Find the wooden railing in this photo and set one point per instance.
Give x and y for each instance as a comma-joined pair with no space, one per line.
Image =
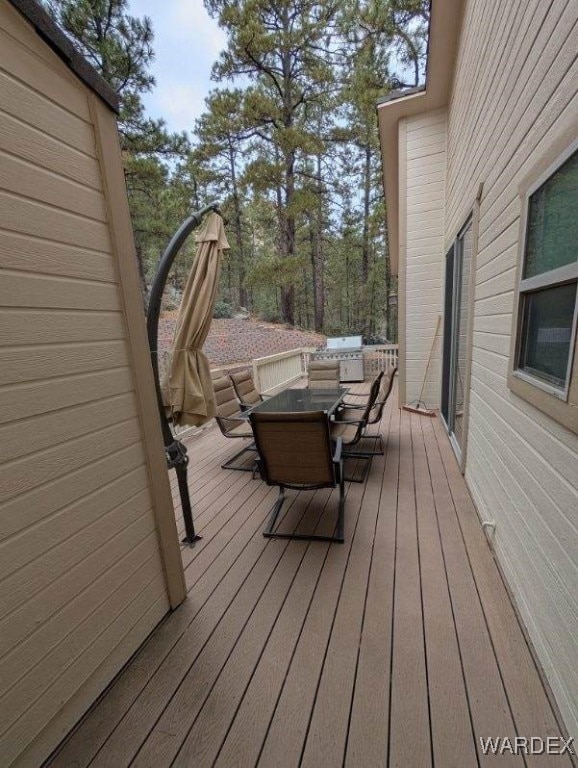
379,357
278,370
281,370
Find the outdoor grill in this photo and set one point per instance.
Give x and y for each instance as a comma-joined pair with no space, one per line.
346,349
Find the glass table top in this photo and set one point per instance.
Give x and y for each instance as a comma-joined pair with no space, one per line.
301,401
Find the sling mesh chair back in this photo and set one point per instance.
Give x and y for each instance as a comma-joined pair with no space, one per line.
230,420
296,451
324,374
245,389
373,414
352,428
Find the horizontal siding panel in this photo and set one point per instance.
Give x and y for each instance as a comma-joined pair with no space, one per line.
33,558
419,219
72,678
145,621
495,304
50,567
425,193
32,70
494,323
419,172
535,427
63,606
19,328
528,463
521,532
424,212
29,181
420,156
27,436
55,497
532,542
20,401
32,254
28,106
525,122
495,342
485,81
496,285
467,103
43,151
29,217
31,363
22,475
431,121
46,291
425,234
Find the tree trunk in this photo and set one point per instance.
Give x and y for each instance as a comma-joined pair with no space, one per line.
238,229
288,290
366,213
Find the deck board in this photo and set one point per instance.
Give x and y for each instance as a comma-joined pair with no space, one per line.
398,648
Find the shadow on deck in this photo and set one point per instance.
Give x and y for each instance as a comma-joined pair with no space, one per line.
398,648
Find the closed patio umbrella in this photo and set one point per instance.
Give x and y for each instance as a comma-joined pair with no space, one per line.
186,385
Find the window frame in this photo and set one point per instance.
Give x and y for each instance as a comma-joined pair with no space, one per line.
561,403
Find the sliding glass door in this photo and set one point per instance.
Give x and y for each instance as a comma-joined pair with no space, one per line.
455,352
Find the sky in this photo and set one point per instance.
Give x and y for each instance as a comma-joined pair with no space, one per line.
187,42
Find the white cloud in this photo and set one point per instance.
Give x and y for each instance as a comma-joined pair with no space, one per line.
187,43
179,103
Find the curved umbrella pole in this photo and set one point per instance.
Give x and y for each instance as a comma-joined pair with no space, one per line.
176,452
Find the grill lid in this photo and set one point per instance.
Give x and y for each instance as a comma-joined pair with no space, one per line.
342,343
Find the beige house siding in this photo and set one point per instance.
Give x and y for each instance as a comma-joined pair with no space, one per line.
84,575
422,191
514,95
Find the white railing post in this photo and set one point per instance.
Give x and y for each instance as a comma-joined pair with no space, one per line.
256,376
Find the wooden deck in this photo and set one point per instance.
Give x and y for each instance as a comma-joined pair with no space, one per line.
398,648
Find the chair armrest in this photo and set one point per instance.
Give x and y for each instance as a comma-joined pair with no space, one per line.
230,422
351,422
338,449
360,407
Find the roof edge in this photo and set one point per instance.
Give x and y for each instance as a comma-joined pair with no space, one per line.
401,93
63,47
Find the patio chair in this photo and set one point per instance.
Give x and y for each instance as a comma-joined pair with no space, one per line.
230,421
351,413
245,389
351,429
324,374
295,451
359,398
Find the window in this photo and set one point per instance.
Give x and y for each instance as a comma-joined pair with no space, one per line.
547,307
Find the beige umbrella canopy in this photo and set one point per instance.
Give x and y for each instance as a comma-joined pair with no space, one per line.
186,384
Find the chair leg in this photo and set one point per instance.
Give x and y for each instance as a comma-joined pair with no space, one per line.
377,451
229,463
271,533
367,465
339,533
269,530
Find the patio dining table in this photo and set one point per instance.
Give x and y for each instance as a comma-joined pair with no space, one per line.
302,400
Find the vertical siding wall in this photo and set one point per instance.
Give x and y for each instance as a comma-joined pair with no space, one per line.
515,91
422,223
81,577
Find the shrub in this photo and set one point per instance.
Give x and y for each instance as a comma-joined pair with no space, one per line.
222,309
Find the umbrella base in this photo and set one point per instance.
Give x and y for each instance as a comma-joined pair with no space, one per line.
191,541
